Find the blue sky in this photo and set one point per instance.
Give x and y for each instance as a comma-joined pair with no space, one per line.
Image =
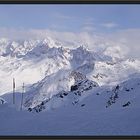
75,18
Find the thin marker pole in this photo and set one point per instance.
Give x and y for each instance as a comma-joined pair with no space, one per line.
13,90
22,96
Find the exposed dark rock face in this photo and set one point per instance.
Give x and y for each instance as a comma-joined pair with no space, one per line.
75,87
126,104
82,105
82,84
2,101
114,96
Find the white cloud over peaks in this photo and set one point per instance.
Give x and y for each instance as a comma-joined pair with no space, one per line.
67,38
128,40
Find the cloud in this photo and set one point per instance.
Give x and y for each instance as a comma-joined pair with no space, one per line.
63,17
58,27
88,28
65,37
109,25
21,33
89,22
127,39
88,25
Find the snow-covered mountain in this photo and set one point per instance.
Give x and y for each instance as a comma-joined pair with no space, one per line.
64,83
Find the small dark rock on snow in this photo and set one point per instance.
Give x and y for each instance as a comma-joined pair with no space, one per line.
82,105
127,104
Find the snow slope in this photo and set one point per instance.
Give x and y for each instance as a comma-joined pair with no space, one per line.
87,117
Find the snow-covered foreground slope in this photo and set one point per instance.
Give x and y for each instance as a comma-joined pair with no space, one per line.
68,91
87,117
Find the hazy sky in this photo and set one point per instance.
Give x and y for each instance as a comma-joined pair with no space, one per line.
104,18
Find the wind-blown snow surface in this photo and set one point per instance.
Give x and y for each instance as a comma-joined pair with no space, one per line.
68,91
